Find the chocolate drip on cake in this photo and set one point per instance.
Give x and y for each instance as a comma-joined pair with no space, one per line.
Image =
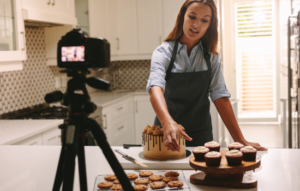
153,140
179,139
159,143
148,141
143,139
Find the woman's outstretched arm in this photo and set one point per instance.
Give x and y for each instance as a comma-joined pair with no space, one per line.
225,110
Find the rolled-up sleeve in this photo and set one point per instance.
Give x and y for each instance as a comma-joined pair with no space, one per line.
217,87
159,62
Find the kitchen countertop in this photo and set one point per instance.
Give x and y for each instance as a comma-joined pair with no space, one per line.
33,168
13,131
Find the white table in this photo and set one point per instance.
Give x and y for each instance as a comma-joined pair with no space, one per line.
33,168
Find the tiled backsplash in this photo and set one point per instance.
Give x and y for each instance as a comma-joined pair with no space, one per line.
25,88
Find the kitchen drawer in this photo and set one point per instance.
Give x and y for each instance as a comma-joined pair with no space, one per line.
120,108
121,127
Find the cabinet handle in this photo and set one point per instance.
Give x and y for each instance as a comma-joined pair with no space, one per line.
136,106
121,127
105,127
53,2
118,47
23,40
120,108
49,2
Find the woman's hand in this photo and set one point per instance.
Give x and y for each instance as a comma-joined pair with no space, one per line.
255,145
170,130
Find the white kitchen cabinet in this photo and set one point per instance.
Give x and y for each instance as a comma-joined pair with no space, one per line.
143,115
150,25
170,11
48,137
12,36
33,140
50,11
52,136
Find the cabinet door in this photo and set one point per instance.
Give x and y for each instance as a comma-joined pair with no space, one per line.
170,11
41,5
63,7
122,27
144,115
52,136
34,140
150,21
12,36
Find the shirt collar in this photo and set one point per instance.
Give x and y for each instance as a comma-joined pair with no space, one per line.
180,46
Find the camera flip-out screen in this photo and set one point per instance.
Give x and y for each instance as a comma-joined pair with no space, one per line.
72,54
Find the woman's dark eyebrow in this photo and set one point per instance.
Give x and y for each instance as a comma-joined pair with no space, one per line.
204,16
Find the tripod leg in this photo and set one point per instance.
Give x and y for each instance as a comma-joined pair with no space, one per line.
109,154
59,172
81,163
69,168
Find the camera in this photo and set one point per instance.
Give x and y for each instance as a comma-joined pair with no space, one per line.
77,50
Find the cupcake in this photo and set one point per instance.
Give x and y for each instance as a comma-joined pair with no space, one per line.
249,153
213,158
235,145
199,153
213,146
234,157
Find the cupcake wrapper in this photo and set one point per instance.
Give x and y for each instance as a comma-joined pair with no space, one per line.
234,148
232,161
213,161
249,156
199,156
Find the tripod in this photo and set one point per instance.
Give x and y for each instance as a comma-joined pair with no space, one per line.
74,129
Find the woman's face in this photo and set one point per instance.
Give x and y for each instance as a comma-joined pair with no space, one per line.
197,20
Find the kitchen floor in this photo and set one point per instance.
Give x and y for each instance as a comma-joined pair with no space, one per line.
267,135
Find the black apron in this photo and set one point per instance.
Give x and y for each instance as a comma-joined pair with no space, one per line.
186,95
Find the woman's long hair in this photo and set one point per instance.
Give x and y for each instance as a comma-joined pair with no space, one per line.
210,38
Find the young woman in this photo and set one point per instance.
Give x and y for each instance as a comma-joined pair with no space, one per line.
185,69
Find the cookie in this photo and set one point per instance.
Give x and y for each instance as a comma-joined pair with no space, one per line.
110,177
150,131
105,184
146,128
156,177
117,187
171,173
116,181
158,184
175,184
132,176
168,179
146,173
140,187
157,132
142,181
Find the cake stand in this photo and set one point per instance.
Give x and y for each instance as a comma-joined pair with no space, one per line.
224,175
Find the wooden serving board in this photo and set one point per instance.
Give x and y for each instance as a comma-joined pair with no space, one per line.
225,175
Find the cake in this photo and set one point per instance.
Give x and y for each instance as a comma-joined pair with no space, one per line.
199,153
213,146
234,157
249,153
213,158
235,145
154,147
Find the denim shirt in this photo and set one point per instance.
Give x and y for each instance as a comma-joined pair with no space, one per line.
161,58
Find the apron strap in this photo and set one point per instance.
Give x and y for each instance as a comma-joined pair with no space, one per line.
207,59
172,60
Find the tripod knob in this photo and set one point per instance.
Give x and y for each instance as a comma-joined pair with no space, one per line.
89,107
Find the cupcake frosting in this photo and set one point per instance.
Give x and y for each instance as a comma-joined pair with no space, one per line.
234,153
212,144
248,149
236,144
201,149
213,154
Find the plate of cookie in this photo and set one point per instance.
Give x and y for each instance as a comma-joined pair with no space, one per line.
144,181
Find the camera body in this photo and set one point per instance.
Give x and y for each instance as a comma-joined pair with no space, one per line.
77,50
